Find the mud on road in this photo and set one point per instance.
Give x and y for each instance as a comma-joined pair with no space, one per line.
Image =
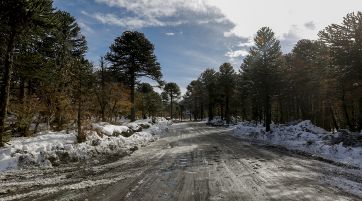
194,162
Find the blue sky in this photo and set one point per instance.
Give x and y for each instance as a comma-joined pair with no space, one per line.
192,35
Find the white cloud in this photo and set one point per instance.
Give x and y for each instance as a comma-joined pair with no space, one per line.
170,34
290,20
310,25
131,22
236,53
84,12
248,43
280,15
289,39
229,34
248,16
155,13
158,8
85,27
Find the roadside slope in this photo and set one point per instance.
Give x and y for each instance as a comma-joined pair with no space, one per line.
194,162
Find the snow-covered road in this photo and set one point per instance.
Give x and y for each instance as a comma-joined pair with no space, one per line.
194,162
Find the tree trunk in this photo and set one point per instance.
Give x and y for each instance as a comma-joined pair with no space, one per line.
267,114
360,114
103,98
202,110
171,106
281,118
195,116
22,90
333,117
211,115
133,107
103,113
345,111
143,107
81,137
5,89
227,110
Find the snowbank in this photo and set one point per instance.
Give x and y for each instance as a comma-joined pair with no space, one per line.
217,121
108,129
306,137
53,148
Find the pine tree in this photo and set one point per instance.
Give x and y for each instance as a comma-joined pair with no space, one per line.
69,47
209,81
345,44
263,64
132,56
153,103
102,100
144,89
310,59
226,80
165,100
81,88
16,17
173,91
194,97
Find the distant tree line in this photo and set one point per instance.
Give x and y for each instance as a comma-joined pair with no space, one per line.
319,80
45,77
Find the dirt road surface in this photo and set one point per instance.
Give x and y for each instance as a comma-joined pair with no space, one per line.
194,162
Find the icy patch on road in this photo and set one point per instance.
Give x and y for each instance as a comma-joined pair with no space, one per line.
183,149
53,148
305,137
76,186
347,185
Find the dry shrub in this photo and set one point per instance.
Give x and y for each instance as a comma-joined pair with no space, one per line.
25,113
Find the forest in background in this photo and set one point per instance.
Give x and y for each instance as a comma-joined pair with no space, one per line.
319,80
45,78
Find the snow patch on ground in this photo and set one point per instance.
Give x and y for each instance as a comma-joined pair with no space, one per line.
53,148
305,137
109,129
347,185
219,121
80,185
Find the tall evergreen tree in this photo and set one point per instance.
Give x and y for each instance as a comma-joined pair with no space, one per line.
101,95
345,43
194,96
226,79
153,104
132,56
16,17
263,64
310,59
144,89
209,81
81,88
69,46
173,91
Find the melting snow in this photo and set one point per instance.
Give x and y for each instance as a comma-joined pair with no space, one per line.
303,136
51,148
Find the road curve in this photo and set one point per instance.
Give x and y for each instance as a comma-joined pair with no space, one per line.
194,162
